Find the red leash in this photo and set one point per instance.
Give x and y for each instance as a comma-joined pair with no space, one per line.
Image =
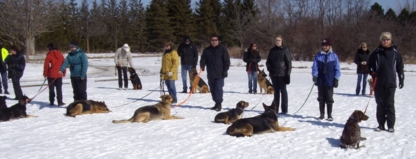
194,84
371,92
30,99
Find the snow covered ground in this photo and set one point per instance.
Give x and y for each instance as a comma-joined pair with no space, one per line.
53,135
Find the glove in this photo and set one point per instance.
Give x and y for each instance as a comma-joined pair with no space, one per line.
335,83
315,79
287,79
364,63
170,74
401,81
224,74
373,75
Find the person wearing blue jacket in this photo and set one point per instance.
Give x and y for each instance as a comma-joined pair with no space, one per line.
78,66
326,73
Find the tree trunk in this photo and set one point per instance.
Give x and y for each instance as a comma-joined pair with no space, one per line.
30,47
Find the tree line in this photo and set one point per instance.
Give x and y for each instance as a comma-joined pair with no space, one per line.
104,25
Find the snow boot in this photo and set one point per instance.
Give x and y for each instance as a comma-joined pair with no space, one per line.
321,110
329,109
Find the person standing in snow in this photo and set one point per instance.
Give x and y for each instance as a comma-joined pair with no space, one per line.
53,62
326,73
252,58
16,65
217,60
361,59
3,69
123,59
384,63
78,66
169,69
189,58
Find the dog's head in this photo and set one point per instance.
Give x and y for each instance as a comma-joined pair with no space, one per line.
131,70
193,72
166,98
269,108
103,106
24,100
359,116
262,73
242,105
270,115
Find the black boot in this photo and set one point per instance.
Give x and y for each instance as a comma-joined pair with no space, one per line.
217,107
322,110
329,109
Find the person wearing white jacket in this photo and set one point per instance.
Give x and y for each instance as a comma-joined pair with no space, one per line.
122,59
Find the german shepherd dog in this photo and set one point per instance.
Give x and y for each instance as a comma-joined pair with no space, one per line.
14,112
232,115
264,83
351,135
86,107
264,123
134,78
159,111
272,107
201,86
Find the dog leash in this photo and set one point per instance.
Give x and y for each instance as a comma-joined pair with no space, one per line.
30,99
42,85
305,99
154,90
194,84
258,102
372,89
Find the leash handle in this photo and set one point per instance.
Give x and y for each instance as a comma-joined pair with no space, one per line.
194,83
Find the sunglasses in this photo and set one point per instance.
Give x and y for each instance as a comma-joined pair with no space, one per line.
386,39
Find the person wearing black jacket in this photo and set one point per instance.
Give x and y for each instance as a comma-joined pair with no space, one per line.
279,65
361,59
384,63
217,60
252,58
16,65
189,58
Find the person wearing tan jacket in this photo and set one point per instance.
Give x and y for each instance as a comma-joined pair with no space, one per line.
122,59
169,70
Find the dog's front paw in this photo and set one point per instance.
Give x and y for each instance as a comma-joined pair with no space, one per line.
363,138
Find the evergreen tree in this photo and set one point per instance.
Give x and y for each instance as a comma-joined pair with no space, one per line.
158,30
390,14
205,21
404,16
181,22
377,9
111,21
138,24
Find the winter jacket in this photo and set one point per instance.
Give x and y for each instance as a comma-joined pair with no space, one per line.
188,54
252,60
53,62
217,61
385,62
123,58
279,62
326,68
170,63
77,62
4,54
16,65
360,57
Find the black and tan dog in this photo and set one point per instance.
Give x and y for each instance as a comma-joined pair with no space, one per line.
14,112
351,135
159,111
232,115
80,107
264,123
201,86
134,78
272,107
264,83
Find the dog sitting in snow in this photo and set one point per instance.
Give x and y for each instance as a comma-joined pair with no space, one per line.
264,83
232,115
351,136
134,78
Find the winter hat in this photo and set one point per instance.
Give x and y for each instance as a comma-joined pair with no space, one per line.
52,46
326,41
73,43
14,48
186,38
126,47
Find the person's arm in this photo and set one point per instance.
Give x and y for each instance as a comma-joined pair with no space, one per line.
175,62
46,66
21,63
117,54
288,59
84,65
245,57
202,61
372,67
129,58
356,59
400,70
337,68
269,63
315,67
226,60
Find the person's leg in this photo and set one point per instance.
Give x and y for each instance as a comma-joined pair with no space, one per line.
75,88
83,89
254,74
321,101
283,91
16,86
329,101
4,81
390,110
58,85
51,91
211,84
250,81
126,80
379,94
358,88
364,83
120,82
183,74
171,89
277,89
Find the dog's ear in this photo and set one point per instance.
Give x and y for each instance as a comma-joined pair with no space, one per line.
358,115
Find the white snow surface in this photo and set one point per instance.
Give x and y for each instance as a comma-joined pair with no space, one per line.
53,135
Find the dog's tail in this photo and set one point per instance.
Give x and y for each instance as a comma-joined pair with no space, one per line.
123,121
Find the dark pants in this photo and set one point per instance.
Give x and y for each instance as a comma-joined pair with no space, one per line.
385,106
171,88
120,78
325,94
58,85
16,86
215,86
3,80
79,87
279,86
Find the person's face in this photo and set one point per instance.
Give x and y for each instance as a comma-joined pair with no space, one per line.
187,42
167,47
12,52
214,41
386,42
364,48
278,41
326,48
72,48
254,47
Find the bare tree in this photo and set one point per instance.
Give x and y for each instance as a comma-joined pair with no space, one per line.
23,20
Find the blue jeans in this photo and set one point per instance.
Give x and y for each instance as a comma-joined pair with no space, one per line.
171,88
3,80
252,81
362,77
185,69
215,86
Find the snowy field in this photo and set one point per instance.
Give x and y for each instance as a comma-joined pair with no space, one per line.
53,135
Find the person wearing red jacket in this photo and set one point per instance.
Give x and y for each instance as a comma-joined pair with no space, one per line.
53,61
